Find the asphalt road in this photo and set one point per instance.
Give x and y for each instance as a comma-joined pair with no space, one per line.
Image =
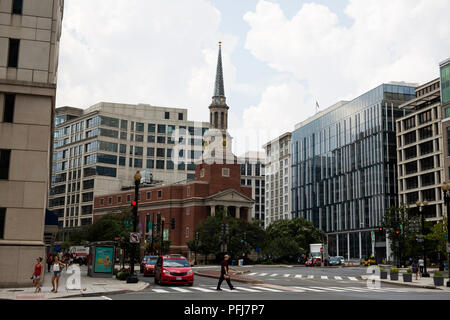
286,283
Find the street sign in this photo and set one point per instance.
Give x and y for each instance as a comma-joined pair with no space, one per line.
373,236
166,235
116,239
321,250
134,237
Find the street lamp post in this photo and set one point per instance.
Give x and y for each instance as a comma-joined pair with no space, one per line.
421,205
446,191
137,180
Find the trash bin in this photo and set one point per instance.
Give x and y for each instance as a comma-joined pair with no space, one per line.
241,262
233,262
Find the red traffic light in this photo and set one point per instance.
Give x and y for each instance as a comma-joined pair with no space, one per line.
134,203
380,229
397,232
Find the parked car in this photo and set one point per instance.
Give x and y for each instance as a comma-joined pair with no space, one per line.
149,269
336,261
173,269
143,262
314,261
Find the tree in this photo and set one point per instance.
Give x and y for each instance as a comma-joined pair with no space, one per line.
242,238
436,240
401,227
288,239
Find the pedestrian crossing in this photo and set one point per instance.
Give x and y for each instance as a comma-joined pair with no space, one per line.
283,289
300,276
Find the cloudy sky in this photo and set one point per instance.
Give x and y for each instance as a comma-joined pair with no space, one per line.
279,56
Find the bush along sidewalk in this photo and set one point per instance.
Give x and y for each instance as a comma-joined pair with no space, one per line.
394,273
383,273
407,277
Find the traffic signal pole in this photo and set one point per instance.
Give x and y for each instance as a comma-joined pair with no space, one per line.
137,180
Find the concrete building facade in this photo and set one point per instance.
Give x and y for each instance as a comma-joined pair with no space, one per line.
29,44
420,151
253,175
278,179
98,151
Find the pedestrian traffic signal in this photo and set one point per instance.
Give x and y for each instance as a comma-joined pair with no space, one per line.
172,223
133,203
380,229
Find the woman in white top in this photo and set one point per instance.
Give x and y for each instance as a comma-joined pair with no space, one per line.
421,265
57,267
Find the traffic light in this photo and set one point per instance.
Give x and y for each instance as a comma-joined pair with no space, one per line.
380,229
224,229
245,236
133,205
227,228
397,232
172,223
196,236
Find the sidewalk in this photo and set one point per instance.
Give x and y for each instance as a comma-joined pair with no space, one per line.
426,283
89,287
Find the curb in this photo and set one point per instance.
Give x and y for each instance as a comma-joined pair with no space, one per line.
405,284
237,280
97,294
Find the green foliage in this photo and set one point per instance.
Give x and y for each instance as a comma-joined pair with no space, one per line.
436,238
287,239
393,270
438,274
123,275
409,271
210,236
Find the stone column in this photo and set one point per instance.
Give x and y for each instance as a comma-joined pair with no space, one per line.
388,249
249,215
348,246
238,212
360,246
213,211
337,244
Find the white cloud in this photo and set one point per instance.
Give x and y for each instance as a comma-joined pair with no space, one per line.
402,40
158,52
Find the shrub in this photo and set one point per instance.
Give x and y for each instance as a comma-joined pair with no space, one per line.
122,275
438,274
394,270
409,271
382,269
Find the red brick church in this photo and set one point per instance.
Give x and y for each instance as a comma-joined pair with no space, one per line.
217,184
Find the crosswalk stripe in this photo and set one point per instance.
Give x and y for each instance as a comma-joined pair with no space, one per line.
298,275
310,277
286,275
252,274
274,275
338,278
324,277
225,289
329,289
263,274
202,289
267,289
353,278
182,290
309,289
160,291
248,289
355,289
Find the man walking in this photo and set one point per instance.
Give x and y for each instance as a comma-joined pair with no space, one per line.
224,273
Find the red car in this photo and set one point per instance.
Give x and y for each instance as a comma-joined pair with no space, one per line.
173,269
149,267
311,262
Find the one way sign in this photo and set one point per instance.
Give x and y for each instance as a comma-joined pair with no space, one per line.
134,237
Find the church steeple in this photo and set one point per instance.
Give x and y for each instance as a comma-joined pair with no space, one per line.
218,108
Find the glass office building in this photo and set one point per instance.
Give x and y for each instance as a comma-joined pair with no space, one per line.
344,169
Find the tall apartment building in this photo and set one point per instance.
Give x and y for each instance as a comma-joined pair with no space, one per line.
344,169
97,151
445,109
29,43
420,151
278,179
253,175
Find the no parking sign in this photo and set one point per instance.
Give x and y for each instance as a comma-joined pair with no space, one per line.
134,237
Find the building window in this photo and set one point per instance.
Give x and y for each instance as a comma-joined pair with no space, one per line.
425,117
160,164
5,157
13,55
188,191
166,115
149,195
102,201
160,152
188,211
150,164
202,173
151,139
161,128
161,140
410,138
128,198
151,128
187,232
119,199
110,200
17,7
139,127
225,172
138,163
8,110
2,222
180,116
159,194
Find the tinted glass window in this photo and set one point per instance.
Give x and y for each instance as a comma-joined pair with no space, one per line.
13,57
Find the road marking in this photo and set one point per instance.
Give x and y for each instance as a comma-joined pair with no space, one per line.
286,275
182,290
338,278
202,289
267,289
106,298
298,275
248,289
263,274
310,277
160,291
353,278
227,290
324,277
274,275
309,289
356,289
252,274
329,289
